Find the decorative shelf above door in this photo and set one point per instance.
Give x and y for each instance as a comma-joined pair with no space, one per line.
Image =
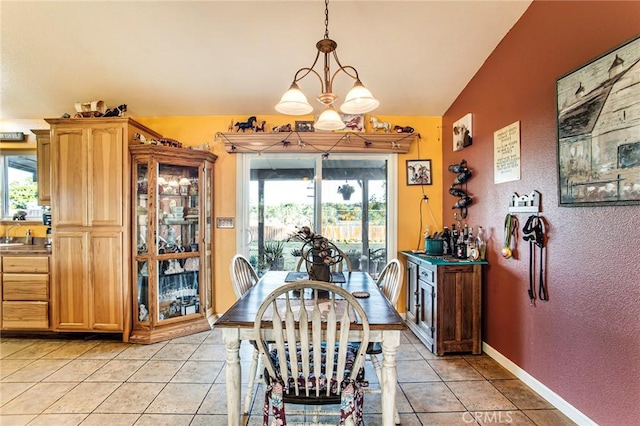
315,142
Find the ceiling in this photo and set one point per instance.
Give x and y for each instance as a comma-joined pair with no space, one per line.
182,58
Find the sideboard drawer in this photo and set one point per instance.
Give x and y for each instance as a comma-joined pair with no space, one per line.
426,274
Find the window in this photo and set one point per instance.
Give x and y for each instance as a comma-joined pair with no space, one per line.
350,199
18,172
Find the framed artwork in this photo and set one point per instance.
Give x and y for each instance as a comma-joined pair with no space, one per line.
418,172
462,133
599,130
353,122
304,126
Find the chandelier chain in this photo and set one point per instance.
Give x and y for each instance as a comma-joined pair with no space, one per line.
326,18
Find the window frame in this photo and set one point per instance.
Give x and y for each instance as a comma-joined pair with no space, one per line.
242,187
5,215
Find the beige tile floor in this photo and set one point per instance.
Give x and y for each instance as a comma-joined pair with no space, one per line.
97,381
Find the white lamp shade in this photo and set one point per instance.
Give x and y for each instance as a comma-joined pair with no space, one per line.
294,102
329,120
359,100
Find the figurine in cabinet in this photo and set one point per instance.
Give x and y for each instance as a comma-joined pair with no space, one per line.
143,314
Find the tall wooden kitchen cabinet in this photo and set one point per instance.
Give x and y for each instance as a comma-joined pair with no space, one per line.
90,200
172,261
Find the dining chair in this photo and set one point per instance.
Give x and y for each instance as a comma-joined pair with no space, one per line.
309,361
243,277
338,267
390,283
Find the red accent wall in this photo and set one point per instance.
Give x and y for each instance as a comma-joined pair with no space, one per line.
584,343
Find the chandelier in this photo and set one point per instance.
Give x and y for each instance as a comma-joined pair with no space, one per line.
359,99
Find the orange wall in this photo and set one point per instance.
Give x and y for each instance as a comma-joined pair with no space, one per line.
584,343
198,130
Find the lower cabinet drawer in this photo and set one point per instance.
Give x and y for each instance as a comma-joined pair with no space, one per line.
25,315
27,264
25,287
426,274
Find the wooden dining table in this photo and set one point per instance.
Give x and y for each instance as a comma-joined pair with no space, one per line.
385,325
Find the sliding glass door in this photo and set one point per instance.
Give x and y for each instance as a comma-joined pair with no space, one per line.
349,199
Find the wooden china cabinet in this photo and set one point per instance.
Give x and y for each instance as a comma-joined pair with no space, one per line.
91,175
172,251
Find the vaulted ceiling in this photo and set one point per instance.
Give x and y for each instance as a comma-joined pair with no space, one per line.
180,58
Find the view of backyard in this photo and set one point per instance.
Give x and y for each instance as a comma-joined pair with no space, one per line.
288,204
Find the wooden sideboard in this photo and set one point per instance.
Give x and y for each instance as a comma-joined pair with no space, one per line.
444,303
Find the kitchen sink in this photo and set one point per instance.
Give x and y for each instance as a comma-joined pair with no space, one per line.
11,244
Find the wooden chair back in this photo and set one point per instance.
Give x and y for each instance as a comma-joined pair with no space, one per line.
390,280
308,328
243,276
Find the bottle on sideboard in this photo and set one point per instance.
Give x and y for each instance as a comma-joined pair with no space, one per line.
471,246
481,244
461,247
446,243
454,240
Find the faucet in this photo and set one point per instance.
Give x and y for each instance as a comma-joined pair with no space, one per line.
7,238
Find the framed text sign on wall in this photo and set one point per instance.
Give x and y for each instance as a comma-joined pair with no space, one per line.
598,112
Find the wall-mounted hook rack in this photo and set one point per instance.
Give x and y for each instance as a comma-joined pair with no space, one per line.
525,203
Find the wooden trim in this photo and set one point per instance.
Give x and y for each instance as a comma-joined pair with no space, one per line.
317,142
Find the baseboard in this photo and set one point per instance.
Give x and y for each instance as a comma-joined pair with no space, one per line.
550,396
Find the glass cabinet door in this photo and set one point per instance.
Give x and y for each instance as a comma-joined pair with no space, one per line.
141,223
177,241
141,241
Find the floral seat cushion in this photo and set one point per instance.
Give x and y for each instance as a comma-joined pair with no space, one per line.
349,398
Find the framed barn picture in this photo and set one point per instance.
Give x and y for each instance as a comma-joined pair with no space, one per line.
598,115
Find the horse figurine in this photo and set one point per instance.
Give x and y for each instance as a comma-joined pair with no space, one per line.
202,147
116,112
282,128
376,124
260,128
249,124
403,129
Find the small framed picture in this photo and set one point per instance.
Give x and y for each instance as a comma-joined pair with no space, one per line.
353,122
304,126
418,172
462,133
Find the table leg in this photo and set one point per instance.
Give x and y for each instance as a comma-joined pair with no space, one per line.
390,342
231,338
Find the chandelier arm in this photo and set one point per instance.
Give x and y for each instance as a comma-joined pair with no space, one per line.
343,68
309,70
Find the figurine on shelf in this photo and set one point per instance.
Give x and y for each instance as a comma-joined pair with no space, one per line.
116,112
244,125
89,109
403,129
260,128
376,124
282,128
143,314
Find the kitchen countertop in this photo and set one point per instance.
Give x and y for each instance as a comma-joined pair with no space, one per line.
23,249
